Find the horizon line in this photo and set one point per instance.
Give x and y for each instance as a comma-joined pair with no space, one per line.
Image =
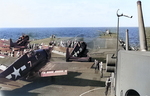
71,27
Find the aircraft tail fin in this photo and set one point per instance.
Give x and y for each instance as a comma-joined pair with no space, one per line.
67,54
11,43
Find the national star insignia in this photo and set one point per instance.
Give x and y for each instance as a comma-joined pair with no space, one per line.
16,72
75,54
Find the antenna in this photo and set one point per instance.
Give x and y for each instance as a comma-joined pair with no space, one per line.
118,39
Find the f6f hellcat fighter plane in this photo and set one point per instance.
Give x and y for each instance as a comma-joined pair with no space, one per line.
21,43
32,64
78,53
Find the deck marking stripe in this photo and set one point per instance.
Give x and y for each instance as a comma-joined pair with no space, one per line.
89,91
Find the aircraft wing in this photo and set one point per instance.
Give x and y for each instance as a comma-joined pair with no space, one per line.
7,83
53,69
59,68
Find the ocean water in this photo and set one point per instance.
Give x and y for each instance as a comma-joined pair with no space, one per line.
85,32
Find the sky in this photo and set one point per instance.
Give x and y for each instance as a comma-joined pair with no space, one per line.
71,13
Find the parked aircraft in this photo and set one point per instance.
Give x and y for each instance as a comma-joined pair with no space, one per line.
21,43
30,65
78,53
